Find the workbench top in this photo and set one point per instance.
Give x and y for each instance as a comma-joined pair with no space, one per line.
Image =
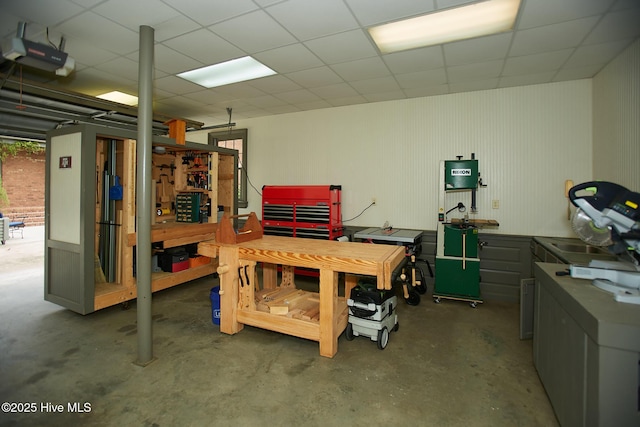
347,257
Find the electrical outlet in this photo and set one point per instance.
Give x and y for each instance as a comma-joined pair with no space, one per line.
373,201
495,204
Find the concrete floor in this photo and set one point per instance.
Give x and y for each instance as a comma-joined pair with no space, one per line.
448,365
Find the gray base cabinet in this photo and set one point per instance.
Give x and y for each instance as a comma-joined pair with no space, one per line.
586,349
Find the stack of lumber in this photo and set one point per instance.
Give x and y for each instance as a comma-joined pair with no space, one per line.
290,302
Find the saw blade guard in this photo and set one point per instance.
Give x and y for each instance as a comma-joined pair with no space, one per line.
608,215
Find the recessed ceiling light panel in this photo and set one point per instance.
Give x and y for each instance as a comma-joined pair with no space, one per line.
474,20
236,70
119,97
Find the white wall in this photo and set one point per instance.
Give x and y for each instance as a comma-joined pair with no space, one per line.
616,120
528,141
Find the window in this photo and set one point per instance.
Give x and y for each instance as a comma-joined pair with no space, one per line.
235,139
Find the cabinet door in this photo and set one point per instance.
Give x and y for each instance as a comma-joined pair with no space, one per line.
560,357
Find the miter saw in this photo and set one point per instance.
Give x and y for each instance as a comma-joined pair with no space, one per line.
608,215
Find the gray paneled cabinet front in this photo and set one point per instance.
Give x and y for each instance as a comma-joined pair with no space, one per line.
586,349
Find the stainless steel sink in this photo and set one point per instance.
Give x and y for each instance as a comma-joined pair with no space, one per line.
577,248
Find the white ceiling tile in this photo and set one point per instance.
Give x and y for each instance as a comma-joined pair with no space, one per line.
46,14
207,12
206,96
133,14
371,12
536,13
175,85
422,78
339,90
275,84
534,64
362,69
102,33
271,34
173,62
239,90
174,27
471,72
551,37
624,24
408,61
288,59
91,54
481,49
314,77
553,40
121,67
298,96
265,101
203,46
309,19
382,84
595,54
447,4
342,47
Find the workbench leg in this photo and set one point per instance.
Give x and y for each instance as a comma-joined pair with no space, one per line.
328,311
269,276
229,299
350,282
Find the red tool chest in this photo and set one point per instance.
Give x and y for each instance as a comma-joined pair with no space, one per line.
311,211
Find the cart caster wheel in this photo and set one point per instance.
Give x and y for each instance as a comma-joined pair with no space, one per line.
383,338
396,327
436,300
473,304
414,298
348,333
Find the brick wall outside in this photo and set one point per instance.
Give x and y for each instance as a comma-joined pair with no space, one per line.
23,180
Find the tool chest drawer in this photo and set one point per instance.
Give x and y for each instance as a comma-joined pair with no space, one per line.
312,211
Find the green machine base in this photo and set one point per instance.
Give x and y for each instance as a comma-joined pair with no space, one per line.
457,279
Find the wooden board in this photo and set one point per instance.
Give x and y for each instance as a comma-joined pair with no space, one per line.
178,233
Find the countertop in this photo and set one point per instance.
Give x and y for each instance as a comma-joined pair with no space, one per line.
607,321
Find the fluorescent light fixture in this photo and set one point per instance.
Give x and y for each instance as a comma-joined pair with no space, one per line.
474,20
234,71
119,97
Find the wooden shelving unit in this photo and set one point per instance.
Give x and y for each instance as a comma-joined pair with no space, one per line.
75,273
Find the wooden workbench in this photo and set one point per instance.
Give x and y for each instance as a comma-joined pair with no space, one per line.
237,287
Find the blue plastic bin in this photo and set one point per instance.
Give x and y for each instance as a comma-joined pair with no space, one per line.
215,305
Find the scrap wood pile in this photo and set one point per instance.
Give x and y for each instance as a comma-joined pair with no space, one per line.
289,301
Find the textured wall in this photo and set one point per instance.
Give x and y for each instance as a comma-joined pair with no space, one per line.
616,120
528,141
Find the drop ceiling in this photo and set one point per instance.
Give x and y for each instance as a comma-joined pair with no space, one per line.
320,49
